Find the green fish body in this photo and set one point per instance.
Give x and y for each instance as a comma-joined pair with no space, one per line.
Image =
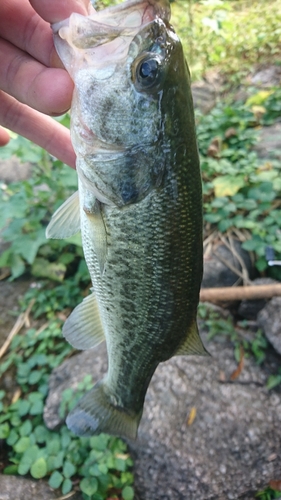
139,205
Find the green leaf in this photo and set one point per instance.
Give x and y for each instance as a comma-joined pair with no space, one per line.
22,444
37,408
52,270
41,433
66,486
228,185
273,381
56,479
39,468
68,469
4,430
53,446
11,470
128,493
99,442
34,377
17,266
27,460
26,428
89,485
23,407
12,438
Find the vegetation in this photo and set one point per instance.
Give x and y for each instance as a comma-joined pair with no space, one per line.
99,466
213,34
242,196
242,192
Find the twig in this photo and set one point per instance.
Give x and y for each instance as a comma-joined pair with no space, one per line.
69,495
22,320
240,293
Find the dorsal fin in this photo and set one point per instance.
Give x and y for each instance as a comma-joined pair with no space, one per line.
66,220
83,328
193,343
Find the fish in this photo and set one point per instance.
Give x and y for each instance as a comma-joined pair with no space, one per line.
138,204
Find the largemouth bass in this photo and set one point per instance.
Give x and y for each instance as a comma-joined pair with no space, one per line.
138,205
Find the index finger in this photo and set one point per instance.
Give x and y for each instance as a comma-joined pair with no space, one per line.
53,11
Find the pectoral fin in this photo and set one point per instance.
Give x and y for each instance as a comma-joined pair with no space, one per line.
193,343
83,328
66,220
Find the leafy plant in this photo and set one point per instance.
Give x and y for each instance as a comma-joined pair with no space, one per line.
231,36
256,346
268,494
241,192
26,208
100,466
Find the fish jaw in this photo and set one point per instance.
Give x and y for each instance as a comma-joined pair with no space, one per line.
105,35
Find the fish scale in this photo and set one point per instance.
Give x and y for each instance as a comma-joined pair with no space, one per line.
140,206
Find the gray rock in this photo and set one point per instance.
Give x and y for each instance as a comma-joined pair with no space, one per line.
249,309
12,170
219,264
269,319
206,91
71,372
269,142
266,77
233,447
204,96
19,488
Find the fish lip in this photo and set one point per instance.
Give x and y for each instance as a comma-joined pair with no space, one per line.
110,18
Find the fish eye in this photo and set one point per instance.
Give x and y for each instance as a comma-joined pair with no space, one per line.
148,73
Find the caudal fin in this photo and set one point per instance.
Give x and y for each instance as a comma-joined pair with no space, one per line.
95,413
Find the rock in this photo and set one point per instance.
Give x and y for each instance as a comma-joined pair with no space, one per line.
12,170
269,319
233,447
269,142
74,370
206,91
218,263
204,96
265,77
19,488
249,309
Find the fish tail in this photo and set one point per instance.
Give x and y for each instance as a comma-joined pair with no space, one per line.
95,413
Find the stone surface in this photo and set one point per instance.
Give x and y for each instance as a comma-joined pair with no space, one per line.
204,96
269,319
71,372
13,170
19,488
232,448
269,142
266,77
219,262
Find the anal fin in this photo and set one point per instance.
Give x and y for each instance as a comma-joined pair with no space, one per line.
193,344
83,328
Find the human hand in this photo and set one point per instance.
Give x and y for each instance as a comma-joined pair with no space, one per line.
33,83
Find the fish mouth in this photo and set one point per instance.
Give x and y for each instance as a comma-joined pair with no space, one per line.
104,25
105,35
